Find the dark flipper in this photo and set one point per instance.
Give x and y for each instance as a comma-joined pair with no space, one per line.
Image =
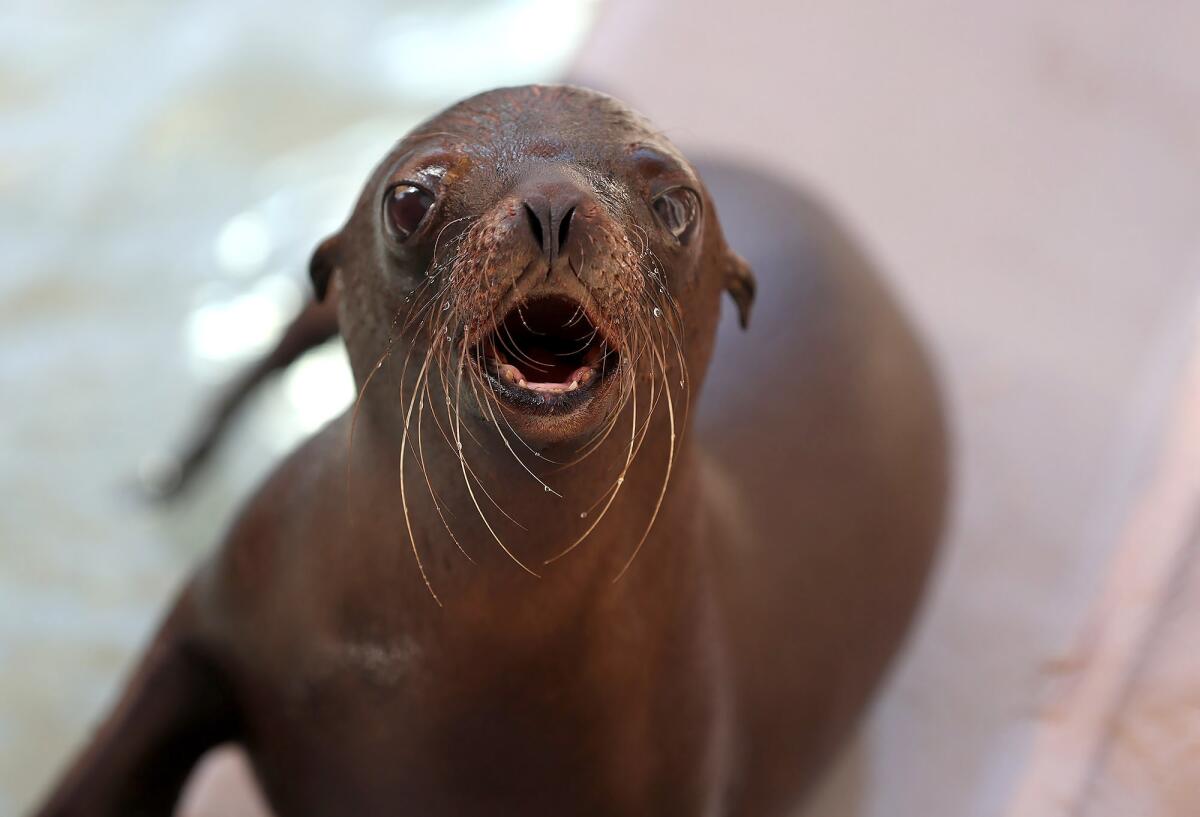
173,709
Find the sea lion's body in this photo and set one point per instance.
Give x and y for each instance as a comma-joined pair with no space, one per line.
712,678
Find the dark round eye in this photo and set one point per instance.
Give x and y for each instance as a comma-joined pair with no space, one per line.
678,209
405,208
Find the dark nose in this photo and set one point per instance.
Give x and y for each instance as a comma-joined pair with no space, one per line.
550,210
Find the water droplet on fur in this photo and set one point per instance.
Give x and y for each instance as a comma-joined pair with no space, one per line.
657,312
445,306
546,488
583,514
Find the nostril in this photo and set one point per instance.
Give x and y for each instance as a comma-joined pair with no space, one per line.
564,227
535,224
550,219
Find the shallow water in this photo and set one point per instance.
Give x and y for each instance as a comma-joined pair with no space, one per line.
164,172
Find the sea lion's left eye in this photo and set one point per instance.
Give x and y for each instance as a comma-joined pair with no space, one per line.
678,210
405,208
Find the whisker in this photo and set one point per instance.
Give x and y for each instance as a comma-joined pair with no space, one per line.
612,496
437,505
471,491
586,343
666,481
387,352
403,494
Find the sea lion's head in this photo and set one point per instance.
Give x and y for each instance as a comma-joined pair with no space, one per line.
530,258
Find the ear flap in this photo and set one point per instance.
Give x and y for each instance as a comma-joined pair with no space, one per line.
324,264
740,284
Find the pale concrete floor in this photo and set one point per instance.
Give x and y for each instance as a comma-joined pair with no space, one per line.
1136,696
1151,752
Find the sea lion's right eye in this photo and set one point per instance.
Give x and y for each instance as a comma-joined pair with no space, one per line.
405,208
678,209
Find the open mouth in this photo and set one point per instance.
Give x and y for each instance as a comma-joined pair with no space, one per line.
546,354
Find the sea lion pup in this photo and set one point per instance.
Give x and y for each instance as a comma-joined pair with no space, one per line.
529,572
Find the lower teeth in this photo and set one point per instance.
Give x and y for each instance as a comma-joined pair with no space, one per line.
512,374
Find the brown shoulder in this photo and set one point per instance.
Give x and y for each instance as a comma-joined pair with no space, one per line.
275,531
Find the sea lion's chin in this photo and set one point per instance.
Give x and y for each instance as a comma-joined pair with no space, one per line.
549,370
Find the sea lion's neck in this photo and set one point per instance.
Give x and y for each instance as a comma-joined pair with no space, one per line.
552,511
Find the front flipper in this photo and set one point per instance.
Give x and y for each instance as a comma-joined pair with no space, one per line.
174,708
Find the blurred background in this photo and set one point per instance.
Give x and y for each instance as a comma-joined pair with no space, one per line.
1027,173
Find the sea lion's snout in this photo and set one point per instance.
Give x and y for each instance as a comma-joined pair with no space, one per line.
550,340
546,284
